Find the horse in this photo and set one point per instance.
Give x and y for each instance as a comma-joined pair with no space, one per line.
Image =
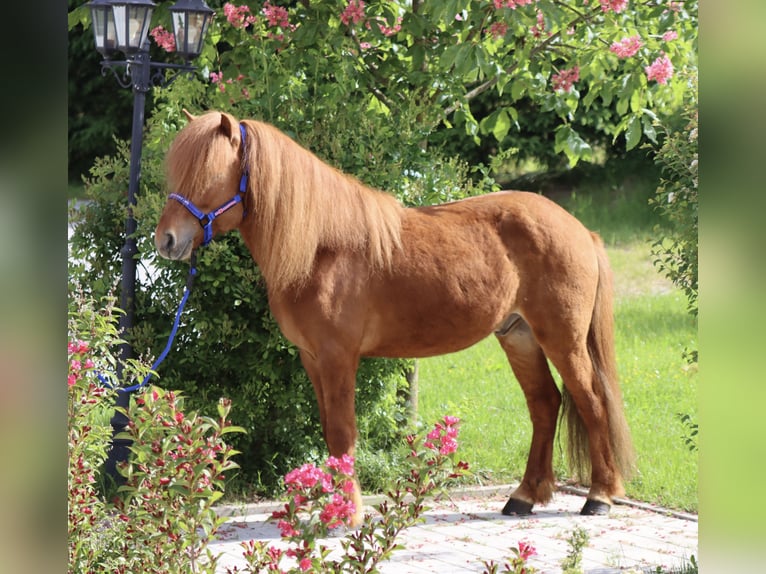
351,272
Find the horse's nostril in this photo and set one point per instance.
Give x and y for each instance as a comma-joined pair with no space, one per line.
170,241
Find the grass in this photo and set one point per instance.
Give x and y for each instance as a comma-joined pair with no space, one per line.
652,332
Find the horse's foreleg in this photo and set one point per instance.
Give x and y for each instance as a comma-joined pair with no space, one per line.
543,400
334,378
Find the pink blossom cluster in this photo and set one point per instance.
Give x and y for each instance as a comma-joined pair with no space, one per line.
512,4
307,477
164,38
308,481
660,70
277,16
539,27
613,5
238,16
565,79
443,437
498,29
670,35
353,13
390,30
526,550
217,78
76,350
626,47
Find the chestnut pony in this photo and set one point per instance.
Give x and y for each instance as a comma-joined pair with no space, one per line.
350,272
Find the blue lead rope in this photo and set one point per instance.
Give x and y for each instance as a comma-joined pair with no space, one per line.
173,331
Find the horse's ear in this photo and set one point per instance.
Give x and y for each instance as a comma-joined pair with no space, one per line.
228,128
188,115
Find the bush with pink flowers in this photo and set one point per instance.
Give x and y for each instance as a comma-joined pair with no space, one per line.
161,518
316,504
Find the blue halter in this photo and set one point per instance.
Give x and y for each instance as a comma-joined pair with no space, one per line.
206,219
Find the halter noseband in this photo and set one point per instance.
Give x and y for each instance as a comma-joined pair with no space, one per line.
206,219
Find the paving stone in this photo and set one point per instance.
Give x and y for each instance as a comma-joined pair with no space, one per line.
459,533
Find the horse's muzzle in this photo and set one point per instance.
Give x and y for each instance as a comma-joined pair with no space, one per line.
169,247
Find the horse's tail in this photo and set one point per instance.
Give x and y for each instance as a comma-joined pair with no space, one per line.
605,382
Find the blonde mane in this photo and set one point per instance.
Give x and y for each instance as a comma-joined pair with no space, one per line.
297,205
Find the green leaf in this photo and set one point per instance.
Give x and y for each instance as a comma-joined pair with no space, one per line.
649,130
517,89
448,57
502,123
573,146
633,133
226,430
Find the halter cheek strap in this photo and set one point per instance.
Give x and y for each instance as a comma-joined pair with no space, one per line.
206,219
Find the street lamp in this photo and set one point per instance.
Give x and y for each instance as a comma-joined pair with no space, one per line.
123,26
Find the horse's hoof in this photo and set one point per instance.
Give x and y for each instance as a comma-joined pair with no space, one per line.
516,507
595,508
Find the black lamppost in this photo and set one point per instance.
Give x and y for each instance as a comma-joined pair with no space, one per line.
123,26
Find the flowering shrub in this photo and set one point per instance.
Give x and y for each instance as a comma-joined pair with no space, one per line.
316,503
161,519
676,200
518,564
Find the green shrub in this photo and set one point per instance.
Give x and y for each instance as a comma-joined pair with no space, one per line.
676,200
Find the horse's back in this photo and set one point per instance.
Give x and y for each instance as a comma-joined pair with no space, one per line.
465,266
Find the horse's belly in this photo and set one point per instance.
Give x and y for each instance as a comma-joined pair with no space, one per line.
425,325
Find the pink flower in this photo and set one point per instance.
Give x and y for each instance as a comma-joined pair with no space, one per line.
498,29
71,380
347,486
305,564
343,465
661,70
353,13
670,35
448,446
337,511
443,439
613,5
512,4
286,529
276,16
164,39
390,31
306,477
539,27
238,16
626,47
526,550
77,347
216,77
565,79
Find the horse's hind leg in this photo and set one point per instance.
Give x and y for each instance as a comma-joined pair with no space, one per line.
543,400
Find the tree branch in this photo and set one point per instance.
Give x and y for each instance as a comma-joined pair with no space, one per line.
481,88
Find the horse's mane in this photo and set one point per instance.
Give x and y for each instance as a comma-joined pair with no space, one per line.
299,205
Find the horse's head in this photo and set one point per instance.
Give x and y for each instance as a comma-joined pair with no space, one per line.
206,183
